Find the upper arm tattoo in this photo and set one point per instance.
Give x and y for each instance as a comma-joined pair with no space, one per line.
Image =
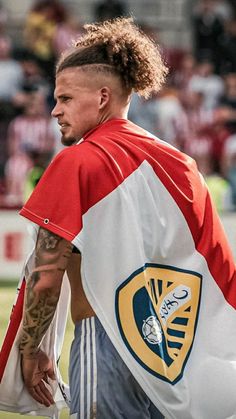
43,288
51,250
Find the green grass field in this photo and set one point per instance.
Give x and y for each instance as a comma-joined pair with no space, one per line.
7,297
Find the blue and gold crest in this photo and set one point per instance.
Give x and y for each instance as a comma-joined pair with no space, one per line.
157,310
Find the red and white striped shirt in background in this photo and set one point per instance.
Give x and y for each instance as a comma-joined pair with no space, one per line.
16,171
27,133
190,131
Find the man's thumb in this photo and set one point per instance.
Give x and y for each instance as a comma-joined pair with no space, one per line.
51,374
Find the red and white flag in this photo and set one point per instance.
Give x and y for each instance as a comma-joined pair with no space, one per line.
156,265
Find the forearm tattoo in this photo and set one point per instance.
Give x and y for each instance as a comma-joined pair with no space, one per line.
43,289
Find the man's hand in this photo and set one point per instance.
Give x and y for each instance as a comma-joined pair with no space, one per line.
36,369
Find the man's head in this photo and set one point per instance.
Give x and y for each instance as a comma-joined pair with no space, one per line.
95,78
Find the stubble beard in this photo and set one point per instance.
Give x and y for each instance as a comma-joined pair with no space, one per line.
68,141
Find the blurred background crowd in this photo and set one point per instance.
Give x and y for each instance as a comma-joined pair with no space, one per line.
195,111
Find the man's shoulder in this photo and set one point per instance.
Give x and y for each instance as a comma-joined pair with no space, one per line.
76,151
82,155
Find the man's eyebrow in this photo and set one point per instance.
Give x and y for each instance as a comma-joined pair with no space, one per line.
61,96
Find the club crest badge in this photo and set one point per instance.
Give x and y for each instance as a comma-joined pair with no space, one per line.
157,311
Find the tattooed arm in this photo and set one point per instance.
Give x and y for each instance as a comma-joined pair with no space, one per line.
42,293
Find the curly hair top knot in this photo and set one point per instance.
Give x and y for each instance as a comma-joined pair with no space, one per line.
120,45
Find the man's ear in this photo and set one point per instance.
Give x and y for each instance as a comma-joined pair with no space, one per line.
105,95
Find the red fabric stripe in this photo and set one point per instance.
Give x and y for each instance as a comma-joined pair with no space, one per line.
13,327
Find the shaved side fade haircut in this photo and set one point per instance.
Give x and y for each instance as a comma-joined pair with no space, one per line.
119,47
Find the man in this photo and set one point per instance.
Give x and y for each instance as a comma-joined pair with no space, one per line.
130,219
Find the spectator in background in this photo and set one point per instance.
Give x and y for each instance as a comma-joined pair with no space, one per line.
11,74
219,187
169,110
31,130
223,9
34,174
184,73
228,102
33,73
228,47
109,9
218,134
210,85
11,77
65,33
208,29
229,164
229,153
28,133
232,178
16,170
33,79
49,29
39,32
192,124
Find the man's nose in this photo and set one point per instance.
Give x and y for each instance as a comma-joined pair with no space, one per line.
56,111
